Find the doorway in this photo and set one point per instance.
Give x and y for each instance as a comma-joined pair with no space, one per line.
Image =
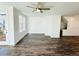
2,27
64,24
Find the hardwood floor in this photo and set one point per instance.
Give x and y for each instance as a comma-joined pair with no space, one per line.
40,45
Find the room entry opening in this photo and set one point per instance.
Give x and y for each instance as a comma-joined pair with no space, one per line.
2,27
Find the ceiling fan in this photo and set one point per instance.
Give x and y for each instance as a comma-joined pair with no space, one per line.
39,7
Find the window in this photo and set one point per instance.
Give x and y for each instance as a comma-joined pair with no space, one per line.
24,28
21,23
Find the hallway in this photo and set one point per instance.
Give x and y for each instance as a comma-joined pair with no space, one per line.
40,45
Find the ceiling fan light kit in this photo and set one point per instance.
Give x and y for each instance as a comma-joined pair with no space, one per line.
37,10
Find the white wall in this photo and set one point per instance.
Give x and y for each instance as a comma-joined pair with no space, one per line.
73,26
18,35
49,25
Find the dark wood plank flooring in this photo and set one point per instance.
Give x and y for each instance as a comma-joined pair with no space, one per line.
40,45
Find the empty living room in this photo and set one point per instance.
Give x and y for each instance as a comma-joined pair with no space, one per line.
39,28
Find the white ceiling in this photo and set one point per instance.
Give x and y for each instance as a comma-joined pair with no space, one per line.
58,8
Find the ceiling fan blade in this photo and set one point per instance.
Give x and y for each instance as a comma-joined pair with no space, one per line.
45,8
30,7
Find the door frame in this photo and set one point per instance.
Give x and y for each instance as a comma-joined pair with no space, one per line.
6,42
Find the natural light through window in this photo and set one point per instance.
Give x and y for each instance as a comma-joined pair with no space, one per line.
21,23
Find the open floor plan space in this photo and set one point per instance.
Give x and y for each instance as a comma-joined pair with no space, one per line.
41,45
39,28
